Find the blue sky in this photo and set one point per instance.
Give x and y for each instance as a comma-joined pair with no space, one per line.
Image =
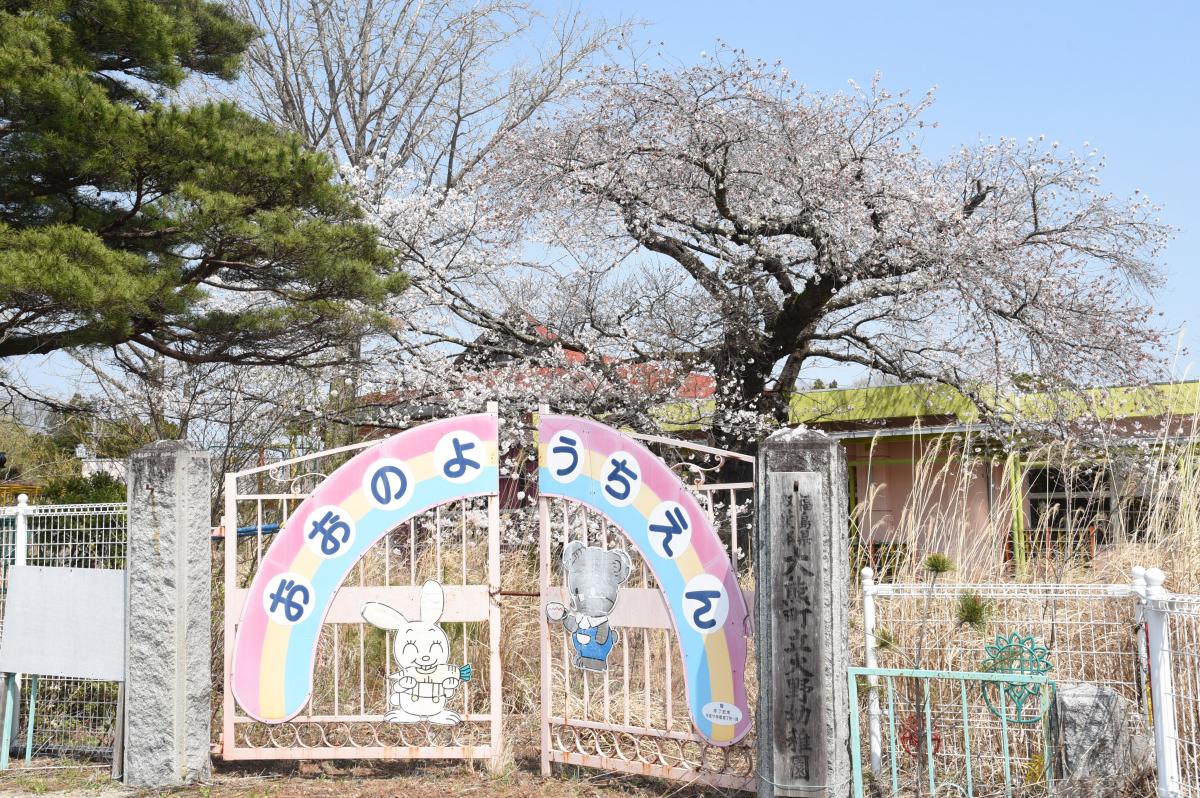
1122,76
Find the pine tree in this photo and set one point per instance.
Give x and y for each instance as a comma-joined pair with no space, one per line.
196,231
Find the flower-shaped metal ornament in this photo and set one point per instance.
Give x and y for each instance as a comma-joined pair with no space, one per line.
1023,655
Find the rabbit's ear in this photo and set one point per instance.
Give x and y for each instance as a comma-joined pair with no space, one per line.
383,616
432,602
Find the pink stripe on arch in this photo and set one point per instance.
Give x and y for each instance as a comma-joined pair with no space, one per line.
251,632
347,479
604,440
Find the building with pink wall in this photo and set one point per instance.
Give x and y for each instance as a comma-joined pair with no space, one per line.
928,473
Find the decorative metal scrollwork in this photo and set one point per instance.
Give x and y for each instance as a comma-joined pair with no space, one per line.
698,474
1023,655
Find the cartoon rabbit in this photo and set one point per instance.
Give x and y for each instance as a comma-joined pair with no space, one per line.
426,682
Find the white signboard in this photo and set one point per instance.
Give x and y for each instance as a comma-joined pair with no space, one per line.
64,622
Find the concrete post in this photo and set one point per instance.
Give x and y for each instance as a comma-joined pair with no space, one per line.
168,678
802,569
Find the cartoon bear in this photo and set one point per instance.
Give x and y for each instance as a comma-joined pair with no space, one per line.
592,577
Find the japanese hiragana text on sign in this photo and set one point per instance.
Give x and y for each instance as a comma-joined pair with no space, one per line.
379,488
612,473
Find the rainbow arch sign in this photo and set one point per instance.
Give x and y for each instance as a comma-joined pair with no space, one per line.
416,470
381,487
615,475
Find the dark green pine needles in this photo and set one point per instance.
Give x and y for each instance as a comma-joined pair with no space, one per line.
196,231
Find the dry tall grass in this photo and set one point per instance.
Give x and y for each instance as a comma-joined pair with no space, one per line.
1151,517
1121,503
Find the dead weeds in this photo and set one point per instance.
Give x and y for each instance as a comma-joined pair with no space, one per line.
345,780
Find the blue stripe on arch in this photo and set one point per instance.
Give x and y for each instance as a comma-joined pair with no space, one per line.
301,652
584,489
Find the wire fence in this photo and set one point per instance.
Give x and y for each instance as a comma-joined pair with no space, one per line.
1182,616
63,721
938,723
1068,632
1137,639
1089,631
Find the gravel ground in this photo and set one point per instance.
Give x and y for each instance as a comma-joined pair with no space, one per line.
324,780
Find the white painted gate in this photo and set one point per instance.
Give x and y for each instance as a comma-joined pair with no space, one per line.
457,543
633,718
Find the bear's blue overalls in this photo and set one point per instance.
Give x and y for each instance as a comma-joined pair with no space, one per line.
591,578
590,652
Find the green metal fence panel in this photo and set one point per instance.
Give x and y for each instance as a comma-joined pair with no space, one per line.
937,741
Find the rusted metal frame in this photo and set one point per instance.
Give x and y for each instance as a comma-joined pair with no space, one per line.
474,717
695,447
364,752
544,630
636,731
226,739
495,686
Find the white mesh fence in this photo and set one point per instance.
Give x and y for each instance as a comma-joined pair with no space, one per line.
74,720
1099,634
1183,625
1090,634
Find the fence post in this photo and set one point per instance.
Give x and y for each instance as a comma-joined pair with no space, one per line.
21,536
802,568
495,675
874,730
12,707
1137,583
168,647
1162,689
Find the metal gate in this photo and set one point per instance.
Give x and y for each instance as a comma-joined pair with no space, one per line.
457,544
633,717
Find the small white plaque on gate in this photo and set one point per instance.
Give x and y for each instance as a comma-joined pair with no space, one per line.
722,712
64,622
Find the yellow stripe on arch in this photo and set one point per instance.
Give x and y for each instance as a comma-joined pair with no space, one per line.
272,666
720,676
716,644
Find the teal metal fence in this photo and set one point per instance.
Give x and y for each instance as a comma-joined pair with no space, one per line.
953,733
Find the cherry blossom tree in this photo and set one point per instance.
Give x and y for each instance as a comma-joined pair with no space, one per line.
719,220
415,99
728,220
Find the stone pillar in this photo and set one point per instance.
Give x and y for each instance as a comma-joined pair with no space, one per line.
802,570
168,662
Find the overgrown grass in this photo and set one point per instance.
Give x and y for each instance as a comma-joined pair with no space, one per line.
1123,503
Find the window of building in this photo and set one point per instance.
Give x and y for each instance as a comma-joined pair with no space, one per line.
1070,513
